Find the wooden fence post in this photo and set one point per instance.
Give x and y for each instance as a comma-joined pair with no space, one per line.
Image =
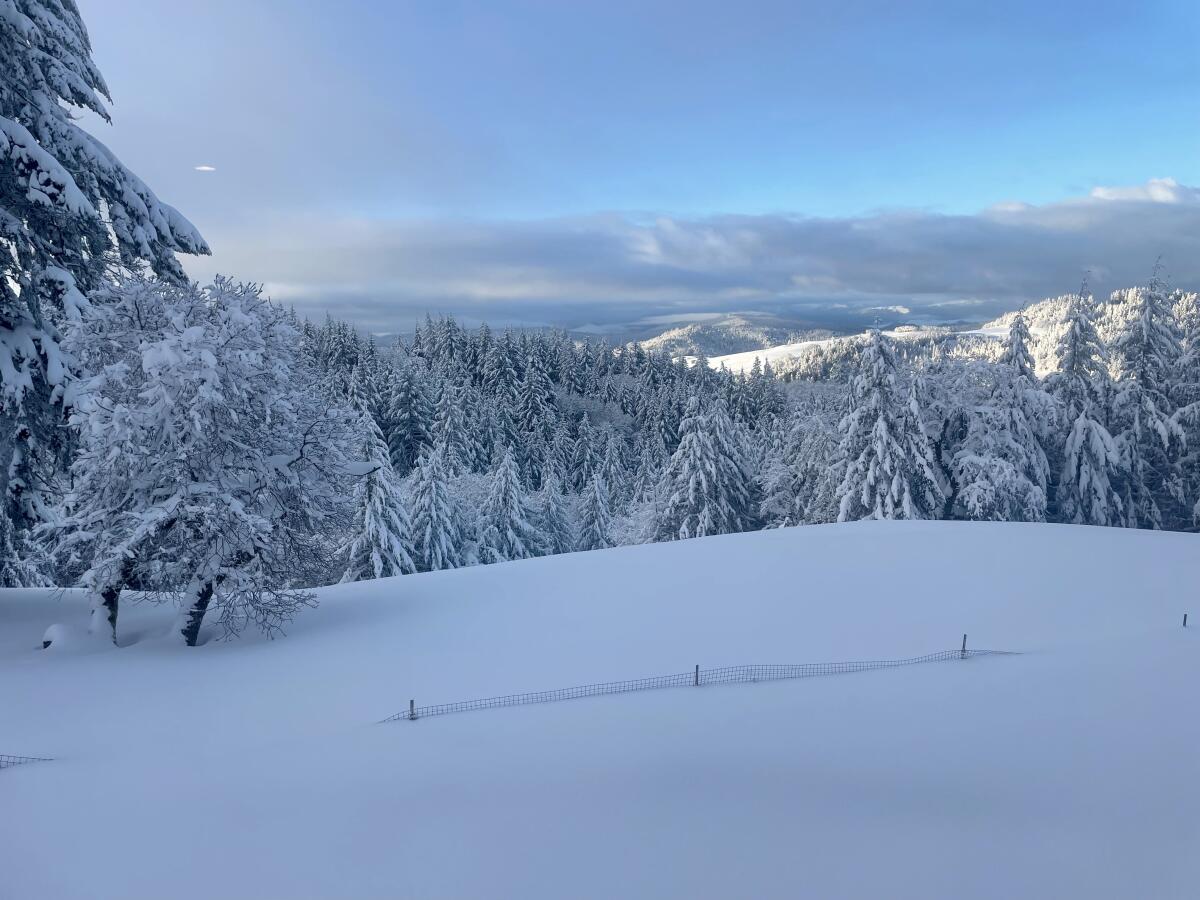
1185,620
412,709
964,647
696,677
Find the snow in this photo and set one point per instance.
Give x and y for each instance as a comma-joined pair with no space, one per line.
253,768
744,362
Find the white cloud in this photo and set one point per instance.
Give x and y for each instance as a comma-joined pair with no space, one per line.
205,168
1156,190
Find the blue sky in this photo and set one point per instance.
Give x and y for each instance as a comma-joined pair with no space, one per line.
521,123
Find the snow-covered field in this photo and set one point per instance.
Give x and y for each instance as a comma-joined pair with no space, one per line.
254,769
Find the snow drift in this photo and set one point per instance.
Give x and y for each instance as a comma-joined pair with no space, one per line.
251,768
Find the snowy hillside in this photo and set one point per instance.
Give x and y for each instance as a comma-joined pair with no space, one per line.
254,769
784,354
729,334
1045,319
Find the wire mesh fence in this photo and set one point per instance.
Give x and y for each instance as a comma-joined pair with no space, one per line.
7,761
696,678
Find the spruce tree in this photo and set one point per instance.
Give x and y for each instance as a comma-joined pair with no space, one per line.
1089,483
587,453
651,461
890,469
1148,355
1082,371
499,375
411,418
614,470
437,535
508,529
1089,467
553,521
536,401
1016,348
707,487
458,446
595,527
996,466
1187,392
382,528
70,213
814,444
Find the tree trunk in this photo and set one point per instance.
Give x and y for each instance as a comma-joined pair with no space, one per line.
104,612
191,627
107,610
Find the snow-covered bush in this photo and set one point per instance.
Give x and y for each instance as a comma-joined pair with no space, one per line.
211,466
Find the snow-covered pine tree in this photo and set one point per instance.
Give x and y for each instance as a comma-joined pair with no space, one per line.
508,528
1089,466
437,534
707,487
536,404
410,415
1088,487
1187,397
499,374
588,453
890,468
69,210
209,468
1151,440
488,430
595,525
553,520
651,462
561,452
1016,349
381,527
814,445
614,470
995,464
1082,371
779,504
458,445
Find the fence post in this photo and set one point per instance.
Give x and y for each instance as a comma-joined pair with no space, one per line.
964,648
412,709
696,677
1185,620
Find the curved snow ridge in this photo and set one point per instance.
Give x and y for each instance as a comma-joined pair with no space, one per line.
696,678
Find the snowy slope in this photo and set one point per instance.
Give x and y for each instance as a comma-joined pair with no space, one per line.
728,334
1044,318
744,362
254,769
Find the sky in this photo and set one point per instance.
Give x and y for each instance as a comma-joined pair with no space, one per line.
597,163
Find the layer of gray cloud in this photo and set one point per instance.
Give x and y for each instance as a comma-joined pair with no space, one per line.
610,268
